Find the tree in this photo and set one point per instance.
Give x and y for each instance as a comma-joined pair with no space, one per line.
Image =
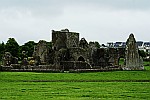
97,44
142,53
28,48
49,44
2,50
2,47
12,46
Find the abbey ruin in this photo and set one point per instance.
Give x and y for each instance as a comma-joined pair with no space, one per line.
68,53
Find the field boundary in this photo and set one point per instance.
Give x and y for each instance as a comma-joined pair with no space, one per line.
86,81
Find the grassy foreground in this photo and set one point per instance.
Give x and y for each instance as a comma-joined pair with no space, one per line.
75,86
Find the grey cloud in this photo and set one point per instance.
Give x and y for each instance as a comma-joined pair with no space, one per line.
94,19
125,4
46,8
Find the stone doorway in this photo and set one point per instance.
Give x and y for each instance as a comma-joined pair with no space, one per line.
81,59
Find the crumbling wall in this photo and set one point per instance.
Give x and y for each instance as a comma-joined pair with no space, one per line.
133,60
103,57
41,52
64,39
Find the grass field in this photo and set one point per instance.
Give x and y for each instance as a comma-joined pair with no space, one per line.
115,85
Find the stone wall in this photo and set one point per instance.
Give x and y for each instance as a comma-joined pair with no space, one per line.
41,52
73,65
64,39
103,57
133,60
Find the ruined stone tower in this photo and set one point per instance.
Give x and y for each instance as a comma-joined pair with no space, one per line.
64,39
133,60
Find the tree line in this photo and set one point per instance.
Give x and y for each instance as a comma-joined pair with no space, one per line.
15,49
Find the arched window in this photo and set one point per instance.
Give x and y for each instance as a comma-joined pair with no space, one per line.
81,58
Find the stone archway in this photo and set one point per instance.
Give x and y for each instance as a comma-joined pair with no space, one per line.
81,59
121,61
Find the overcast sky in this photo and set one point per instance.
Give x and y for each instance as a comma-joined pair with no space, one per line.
96,20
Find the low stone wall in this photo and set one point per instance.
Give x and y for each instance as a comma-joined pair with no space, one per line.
70,66
35,70
66,65
28,68
96,70
6,68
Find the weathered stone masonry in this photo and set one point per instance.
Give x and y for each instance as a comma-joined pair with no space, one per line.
69,53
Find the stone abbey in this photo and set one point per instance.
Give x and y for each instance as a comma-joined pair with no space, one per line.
68,53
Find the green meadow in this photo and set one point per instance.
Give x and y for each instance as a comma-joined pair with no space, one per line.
117,85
